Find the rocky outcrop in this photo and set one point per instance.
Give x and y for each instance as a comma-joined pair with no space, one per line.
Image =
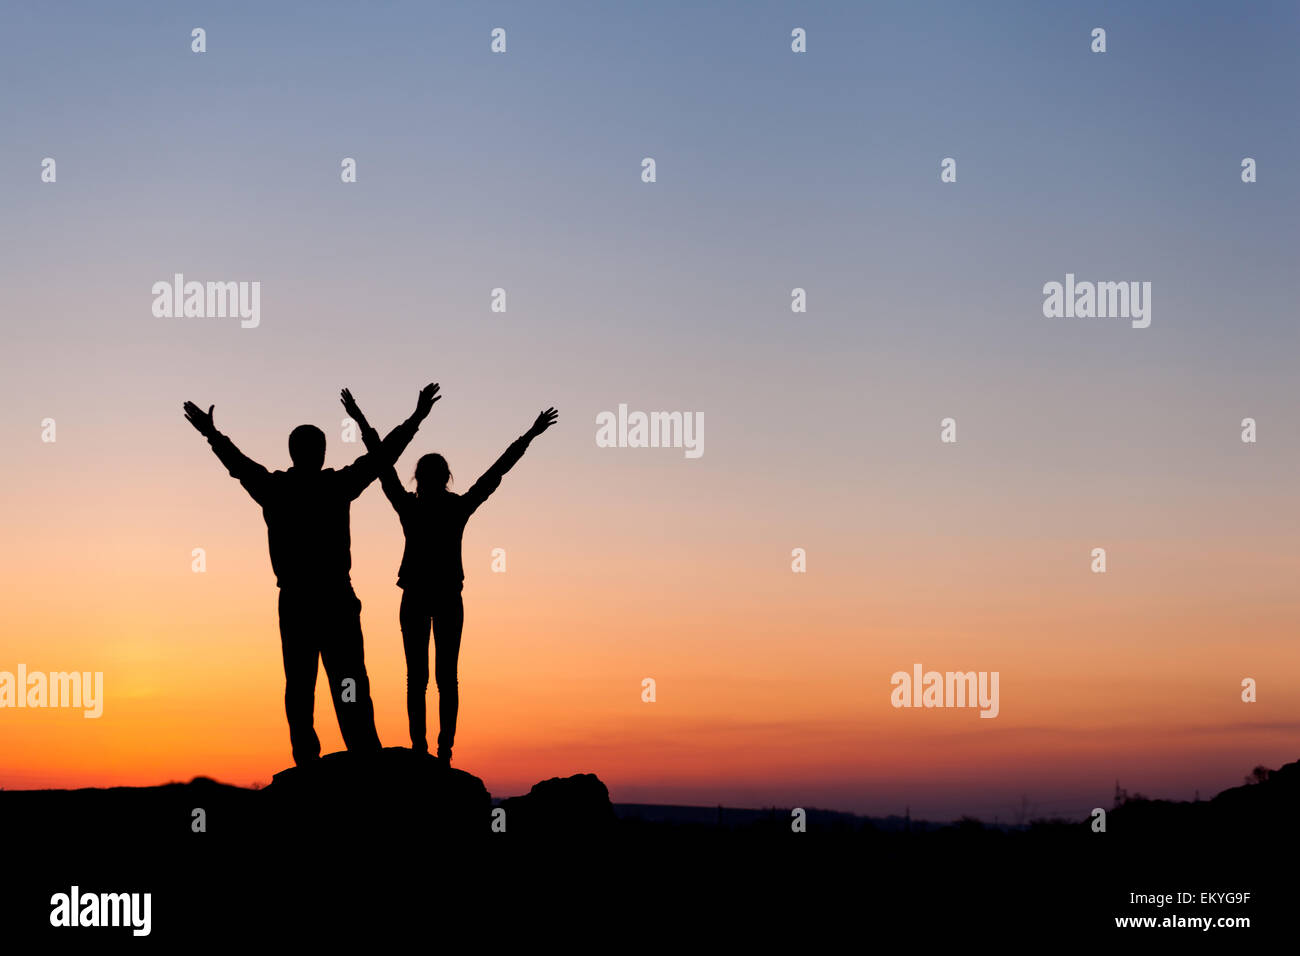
561,805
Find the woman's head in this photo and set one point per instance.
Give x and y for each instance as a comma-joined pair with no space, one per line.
431,474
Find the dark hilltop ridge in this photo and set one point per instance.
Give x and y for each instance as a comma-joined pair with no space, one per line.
396,829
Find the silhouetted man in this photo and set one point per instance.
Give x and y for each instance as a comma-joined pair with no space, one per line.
306,510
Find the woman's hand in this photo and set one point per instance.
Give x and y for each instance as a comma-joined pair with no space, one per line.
544,421
352,408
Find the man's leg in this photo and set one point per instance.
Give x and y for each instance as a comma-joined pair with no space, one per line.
448,612
344,656
414,618
297,643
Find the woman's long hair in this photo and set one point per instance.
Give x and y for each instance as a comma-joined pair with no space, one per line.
431,474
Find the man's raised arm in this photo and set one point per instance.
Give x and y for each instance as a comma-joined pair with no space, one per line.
381,454
248,472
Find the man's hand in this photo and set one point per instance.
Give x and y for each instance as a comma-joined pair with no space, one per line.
544,421
428,395
353,409
201,420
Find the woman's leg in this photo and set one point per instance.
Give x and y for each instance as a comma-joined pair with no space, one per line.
414,618
448,613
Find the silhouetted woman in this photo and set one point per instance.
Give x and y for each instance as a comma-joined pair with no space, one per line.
431,575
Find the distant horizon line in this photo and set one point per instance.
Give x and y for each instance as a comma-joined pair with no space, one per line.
699,811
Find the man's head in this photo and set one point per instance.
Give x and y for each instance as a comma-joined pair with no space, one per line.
307,448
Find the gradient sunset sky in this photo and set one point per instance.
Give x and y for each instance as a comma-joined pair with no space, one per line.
775,171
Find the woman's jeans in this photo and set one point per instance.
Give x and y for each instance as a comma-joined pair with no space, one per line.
445,612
